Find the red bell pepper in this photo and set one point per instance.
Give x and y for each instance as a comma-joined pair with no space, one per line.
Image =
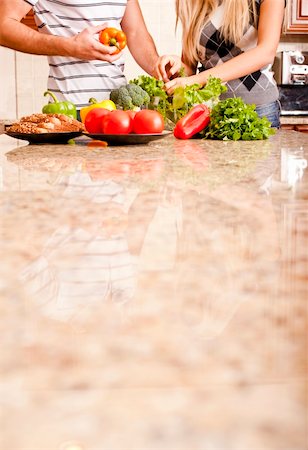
193,122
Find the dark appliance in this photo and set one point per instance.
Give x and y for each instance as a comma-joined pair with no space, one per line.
291,74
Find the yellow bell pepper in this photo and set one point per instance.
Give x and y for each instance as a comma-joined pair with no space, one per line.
93,103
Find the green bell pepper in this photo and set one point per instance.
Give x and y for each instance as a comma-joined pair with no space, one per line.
66,107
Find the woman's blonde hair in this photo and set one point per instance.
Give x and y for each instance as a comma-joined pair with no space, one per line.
193,15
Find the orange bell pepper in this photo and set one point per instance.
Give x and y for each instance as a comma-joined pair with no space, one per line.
114,38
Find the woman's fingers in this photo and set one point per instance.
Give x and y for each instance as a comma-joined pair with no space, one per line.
167,66
160,68
171,85
174,67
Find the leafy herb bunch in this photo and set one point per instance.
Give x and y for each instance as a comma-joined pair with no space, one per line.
232,119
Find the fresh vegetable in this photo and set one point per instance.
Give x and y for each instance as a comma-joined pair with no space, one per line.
93,103
148,121
117,122
97,144
129,97
183,99
232,119
93,120
193,122
155,90
56,107
114,38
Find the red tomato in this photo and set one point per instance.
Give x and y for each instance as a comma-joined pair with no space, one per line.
148,121
93,120
117,122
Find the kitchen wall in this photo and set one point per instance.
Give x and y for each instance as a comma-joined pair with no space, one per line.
23,77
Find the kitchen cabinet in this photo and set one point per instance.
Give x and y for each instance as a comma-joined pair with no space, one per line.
29,20
303,128
294,123
296,21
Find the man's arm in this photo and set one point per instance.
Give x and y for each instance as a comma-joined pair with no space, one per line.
139,40
17,36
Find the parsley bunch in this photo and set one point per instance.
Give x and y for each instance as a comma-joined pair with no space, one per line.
232,119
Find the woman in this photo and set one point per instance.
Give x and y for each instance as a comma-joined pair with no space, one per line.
234,40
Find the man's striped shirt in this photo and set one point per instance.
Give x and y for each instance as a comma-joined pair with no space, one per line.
70,78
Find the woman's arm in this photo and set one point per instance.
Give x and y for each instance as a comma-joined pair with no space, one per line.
17,36
139,40
269,31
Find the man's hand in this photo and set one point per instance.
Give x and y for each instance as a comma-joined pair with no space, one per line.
86,46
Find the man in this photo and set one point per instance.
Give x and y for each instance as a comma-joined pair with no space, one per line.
80,66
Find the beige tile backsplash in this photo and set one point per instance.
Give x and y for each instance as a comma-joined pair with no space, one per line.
7,84
23,77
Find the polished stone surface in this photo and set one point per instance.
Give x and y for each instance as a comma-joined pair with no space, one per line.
154,297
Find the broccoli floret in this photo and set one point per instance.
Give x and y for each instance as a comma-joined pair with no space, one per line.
129,97
138,95
122,98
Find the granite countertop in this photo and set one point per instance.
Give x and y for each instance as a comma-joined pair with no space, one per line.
154,297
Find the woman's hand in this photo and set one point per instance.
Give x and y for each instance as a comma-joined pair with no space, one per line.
166,67
86,46
170,86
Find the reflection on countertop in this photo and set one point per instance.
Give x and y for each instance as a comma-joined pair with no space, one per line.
154,297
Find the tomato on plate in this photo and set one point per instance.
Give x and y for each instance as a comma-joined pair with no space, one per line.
148,121
117,122
93,120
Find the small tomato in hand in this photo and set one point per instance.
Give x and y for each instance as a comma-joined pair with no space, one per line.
93,120
114,38
117,122
148,121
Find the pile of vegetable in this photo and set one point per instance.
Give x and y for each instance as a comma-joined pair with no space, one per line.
143,106
229,119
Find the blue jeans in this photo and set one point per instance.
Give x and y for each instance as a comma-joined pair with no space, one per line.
271,111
